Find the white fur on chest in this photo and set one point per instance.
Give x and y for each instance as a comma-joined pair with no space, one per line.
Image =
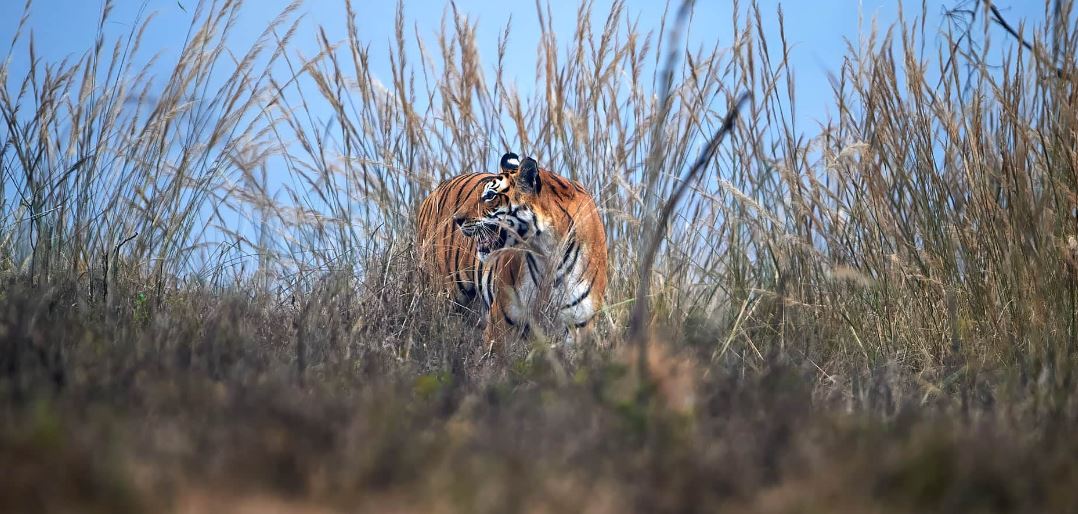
575,287
569,299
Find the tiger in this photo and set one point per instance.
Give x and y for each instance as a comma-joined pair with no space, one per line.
529,243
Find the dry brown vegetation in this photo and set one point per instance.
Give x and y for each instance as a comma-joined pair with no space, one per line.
877,318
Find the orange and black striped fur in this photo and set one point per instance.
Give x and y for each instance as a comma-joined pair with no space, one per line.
528,242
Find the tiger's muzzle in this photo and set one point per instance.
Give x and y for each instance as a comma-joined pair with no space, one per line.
488,237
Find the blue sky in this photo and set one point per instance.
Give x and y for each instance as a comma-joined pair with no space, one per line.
818,31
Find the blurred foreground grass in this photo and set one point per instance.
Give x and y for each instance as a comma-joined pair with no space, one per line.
879,317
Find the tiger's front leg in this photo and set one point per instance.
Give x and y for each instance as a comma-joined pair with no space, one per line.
502,327
496,331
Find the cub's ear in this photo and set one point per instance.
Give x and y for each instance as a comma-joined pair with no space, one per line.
510,163
528,178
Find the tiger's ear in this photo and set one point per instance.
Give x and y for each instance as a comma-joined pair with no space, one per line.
528,178
510,163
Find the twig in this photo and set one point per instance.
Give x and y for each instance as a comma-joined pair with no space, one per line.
652,172
640,308
997,17
105,264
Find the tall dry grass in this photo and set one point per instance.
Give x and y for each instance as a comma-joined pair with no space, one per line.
903,234
104,161
205,266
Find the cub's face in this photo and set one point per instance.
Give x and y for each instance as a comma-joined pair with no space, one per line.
501,214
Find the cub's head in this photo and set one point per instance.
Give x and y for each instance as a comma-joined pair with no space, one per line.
501,213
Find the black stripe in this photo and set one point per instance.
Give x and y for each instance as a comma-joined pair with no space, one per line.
442,197
423,212
565,212
505,316
583,323
520,228
465,290
447,232
449,189
560,181
445,264
564,270
569,249
509,220
472,190
533,268
458,188
454,258
460,287
582,297
558,193
535,223
488,286
477,277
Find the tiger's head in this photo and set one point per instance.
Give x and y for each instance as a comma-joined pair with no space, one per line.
500,212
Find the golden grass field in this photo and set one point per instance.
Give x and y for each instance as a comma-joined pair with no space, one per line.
880,315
